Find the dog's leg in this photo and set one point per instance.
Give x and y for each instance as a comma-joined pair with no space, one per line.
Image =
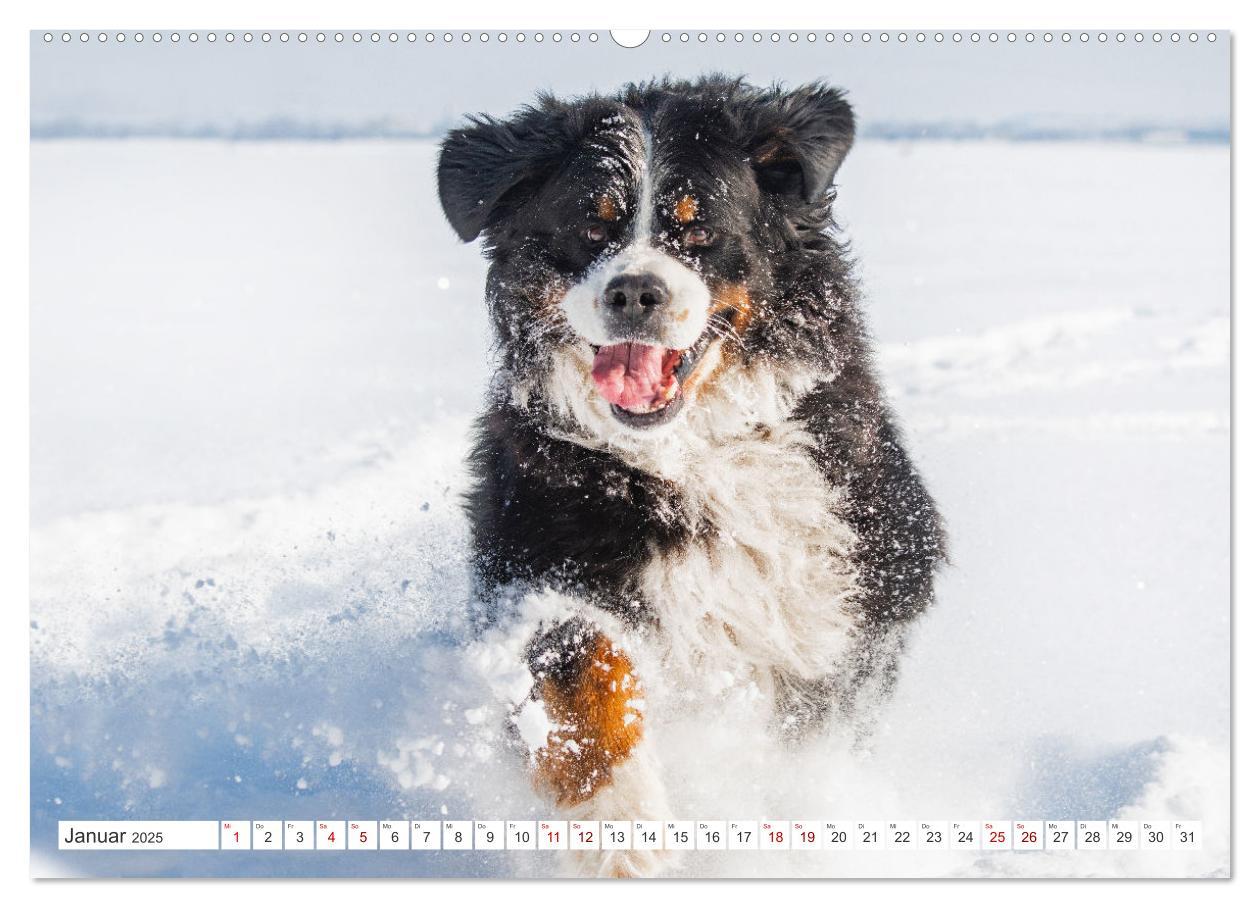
596,763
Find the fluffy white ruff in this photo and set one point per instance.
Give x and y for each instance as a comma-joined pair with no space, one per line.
768,591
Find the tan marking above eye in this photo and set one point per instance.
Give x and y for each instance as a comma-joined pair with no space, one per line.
606,209
686,209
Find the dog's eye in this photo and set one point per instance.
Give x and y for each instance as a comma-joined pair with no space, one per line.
596,233
698,235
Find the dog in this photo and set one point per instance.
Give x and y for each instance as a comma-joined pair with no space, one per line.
685,444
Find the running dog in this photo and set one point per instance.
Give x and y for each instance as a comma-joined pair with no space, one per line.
685,441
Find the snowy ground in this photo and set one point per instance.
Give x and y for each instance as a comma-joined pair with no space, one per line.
253,367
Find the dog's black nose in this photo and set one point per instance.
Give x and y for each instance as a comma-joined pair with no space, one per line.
634,296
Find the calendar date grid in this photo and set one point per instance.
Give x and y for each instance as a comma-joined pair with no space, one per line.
654,835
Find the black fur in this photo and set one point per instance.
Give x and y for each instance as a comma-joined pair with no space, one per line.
545,511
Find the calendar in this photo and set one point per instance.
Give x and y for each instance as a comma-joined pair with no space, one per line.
561,451
643,835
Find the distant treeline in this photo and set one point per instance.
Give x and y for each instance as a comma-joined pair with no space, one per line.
300,130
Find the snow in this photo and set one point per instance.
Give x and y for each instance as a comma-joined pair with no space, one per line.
253,369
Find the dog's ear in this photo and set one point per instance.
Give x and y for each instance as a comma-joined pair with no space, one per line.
799,140
485,164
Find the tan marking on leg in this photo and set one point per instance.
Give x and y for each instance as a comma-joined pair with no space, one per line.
598,727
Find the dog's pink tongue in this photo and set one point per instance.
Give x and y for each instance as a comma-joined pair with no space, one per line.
630,375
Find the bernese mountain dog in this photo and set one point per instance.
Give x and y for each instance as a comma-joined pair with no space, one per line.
686,479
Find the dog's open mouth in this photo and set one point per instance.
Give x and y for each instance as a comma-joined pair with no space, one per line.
643,382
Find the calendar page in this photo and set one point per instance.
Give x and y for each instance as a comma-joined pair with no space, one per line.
684,454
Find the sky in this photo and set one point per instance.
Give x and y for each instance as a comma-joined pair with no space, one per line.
424,86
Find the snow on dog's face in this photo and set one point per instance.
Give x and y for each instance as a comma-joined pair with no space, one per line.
645,247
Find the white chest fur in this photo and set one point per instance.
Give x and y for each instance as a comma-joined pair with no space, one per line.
771,587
